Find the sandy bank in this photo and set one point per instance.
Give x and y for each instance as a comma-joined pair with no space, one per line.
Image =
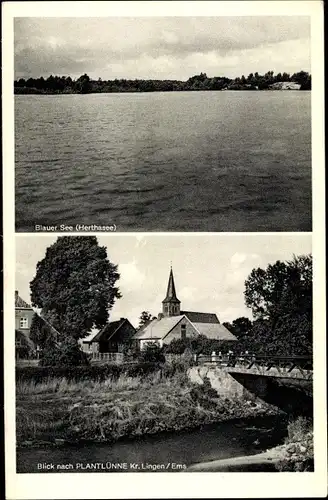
261,461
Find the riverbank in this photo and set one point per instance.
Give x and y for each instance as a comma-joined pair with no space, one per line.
58,411
34,91
295,455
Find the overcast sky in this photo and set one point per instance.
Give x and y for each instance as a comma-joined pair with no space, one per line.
209,271
160,47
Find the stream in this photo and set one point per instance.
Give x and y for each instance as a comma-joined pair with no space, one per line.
165,452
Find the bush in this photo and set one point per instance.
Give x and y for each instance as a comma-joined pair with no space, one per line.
204,394
176,367
24,349
68,353
198,345
39,374
299,454
152,353
299,428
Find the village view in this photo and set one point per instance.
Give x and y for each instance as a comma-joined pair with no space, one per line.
84,380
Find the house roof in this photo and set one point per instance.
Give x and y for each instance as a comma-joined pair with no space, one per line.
199,317
158,328
20,303
214,331
109,330
89,337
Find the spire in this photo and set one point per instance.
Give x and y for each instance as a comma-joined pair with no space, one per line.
171,304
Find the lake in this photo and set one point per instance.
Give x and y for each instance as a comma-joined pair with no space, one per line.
175,451
168,161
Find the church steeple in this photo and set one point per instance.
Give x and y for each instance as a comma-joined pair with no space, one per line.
171,304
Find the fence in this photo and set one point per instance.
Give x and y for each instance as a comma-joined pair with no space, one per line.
107,357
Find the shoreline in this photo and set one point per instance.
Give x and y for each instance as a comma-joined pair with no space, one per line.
250,418
267,458
161,91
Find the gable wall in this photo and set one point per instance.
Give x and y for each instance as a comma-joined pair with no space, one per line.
124,334
23,313
176,331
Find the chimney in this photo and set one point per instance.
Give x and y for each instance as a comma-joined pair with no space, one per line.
16,294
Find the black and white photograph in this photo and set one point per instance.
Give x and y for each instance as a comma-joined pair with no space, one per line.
162,123
164,253
127,361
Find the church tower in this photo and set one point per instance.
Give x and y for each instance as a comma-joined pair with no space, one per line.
171,304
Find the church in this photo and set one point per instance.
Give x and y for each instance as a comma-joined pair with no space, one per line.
173,323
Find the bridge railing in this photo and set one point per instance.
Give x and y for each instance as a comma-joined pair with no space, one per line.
248,361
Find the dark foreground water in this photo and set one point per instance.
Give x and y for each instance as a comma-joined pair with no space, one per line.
163,453
186,161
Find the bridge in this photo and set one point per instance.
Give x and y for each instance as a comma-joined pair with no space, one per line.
284,381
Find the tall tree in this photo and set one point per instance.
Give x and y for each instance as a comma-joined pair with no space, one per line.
282,287
74,285
280,297
144,318
240,327
83,84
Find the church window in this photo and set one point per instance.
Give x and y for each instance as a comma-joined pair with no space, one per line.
23,322
183,332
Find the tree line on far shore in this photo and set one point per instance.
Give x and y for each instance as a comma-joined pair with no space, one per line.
85,85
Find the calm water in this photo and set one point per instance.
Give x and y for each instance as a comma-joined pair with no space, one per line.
190,161
213,442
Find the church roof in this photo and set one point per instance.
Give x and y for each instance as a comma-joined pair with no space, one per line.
20,303
171,295
158,328
199,317
214,331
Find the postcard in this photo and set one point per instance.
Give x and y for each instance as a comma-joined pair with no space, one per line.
164,258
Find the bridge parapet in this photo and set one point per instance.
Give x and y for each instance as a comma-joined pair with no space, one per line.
297,367
273,371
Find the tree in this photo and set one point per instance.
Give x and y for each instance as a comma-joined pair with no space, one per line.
74,286
240,327
144,318
83,84
41,333
282,287
281,300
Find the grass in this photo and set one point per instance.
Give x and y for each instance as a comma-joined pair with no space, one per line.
118,407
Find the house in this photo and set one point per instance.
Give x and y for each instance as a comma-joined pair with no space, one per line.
285,86
174,323
111,338
24,314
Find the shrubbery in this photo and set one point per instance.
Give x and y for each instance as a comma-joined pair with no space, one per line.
68,353
299,453
39,374
197,345
152,353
